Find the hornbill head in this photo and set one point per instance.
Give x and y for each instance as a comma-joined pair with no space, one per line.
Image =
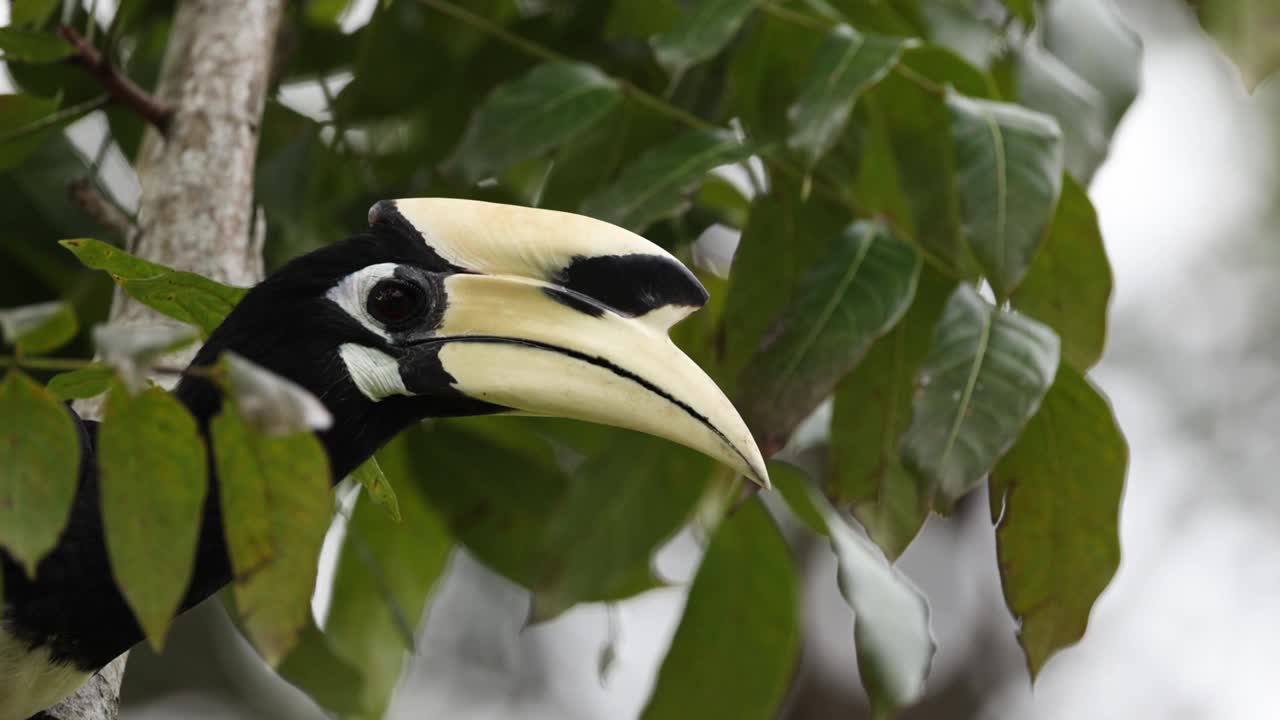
449,307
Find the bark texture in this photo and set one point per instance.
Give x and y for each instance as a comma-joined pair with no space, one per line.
196,207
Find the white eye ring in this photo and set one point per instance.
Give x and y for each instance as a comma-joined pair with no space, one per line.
352,291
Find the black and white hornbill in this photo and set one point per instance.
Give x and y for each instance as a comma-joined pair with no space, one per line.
441,308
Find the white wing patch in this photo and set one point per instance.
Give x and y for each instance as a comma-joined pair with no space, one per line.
29,682
376,373
351,292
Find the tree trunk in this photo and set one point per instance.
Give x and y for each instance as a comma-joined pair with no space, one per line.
196,207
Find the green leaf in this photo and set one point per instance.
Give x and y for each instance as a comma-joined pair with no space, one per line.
153,484
32,46
851,296
84,383
792,484
1069,284
23,13
890,621
1009,173
871,411
37,329
39,469
385,574
276,508
20,129
847,64
736,646
1024,10
1246,30
656,186
183,296
371,478
330,680
1045,84
705,30
526,117
1058,540
783,239
766,71
130,348
986,373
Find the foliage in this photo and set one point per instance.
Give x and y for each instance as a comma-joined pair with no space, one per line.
882,167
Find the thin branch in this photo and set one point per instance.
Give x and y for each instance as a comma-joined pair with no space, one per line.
118,86
86,195
57,364
68,114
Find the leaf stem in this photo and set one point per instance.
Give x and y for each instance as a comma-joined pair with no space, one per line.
798,18
67,114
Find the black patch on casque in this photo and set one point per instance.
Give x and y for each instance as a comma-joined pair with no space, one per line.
632,284
578,302
385,216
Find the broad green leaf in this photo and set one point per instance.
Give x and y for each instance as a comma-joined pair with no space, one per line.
327,678
852,295
525,118
1069,284
890,621
37,329
705,30
276,507
623,503
871,411
20,130
1009,174
792,484
372,479
39,468
32,46
656,185
984,377
1248,31
1045,84
24,13
782,241
184,296
846,65
592,159
1058,540
735,649
1092,39
1024,10
325,12
766,71
86,382
151,459
385,574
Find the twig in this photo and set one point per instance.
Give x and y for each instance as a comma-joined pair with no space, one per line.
86,195
118,86
58,364
68,114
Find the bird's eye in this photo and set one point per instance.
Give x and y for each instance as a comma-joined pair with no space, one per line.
392,302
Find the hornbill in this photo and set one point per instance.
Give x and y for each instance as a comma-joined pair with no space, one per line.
443,307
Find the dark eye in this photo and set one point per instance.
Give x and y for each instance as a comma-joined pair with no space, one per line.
392,302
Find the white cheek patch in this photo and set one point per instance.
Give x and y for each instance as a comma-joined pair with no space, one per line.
350,294
376,373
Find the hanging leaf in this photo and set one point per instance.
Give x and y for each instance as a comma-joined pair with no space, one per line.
792,484
986,373
525,118
890,621
1058,539
183,296
32,46
705,30
276,507
313,667
386,572
1045,84
850,297
847,64
1008,175
271,403
153,482
1246,30
20,130
372,479
25,13
871,411
86,382
658,184
39,469
782,241
735,648
41,328
1069,284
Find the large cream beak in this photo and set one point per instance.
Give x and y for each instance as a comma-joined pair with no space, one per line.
563,315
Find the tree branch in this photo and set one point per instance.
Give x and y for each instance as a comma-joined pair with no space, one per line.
117,84
195,169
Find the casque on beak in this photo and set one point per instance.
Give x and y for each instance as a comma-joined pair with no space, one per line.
550,313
